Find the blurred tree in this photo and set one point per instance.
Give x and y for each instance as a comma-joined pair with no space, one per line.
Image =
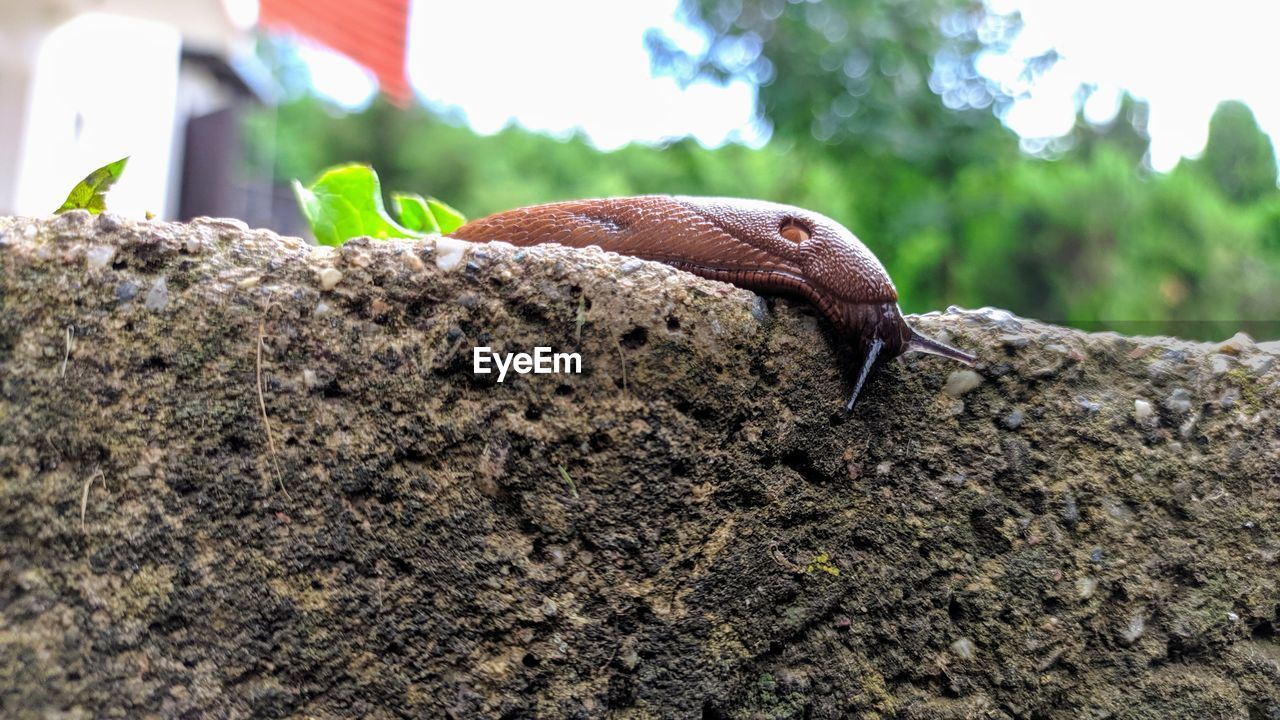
877,78
1238,155
887,90
1125,133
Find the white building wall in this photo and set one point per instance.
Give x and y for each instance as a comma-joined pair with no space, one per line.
104,87
21,32
15,87
86,82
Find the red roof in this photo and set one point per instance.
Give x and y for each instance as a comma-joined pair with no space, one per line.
371,32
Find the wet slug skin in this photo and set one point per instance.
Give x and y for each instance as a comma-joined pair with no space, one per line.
754,244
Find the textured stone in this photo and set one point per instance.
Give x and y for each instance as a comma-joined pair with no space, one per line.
689,528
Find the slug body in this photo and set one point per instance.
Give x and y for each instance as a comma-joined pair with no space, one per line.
757,245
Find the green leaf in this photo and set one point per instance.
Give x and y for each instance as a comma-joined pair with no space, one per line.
822,561
564,474
89,193
346,202
413,213
446,217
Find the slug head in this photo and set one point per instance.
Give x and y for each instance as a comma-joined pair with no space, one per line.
838,273
852,286
880,333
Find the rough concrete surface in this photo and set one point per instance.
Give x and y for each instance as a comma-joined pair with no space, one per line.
245,477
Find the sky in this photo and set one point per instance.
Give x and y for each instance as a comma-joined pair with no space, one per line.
1184,60
564,65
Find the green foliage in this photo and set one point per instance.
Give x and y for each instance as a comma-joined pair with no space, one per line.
1238,156
1126,133
446,218
90,193
564,475
346,202
857,75
1087,239
1095,244
414,213
822,561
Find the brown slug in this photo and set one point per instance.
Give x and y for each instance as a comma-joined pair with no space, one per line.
754,244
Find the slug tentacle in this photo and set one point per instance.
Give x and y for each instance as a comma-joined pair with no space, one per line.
926,344
757,245
869,362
